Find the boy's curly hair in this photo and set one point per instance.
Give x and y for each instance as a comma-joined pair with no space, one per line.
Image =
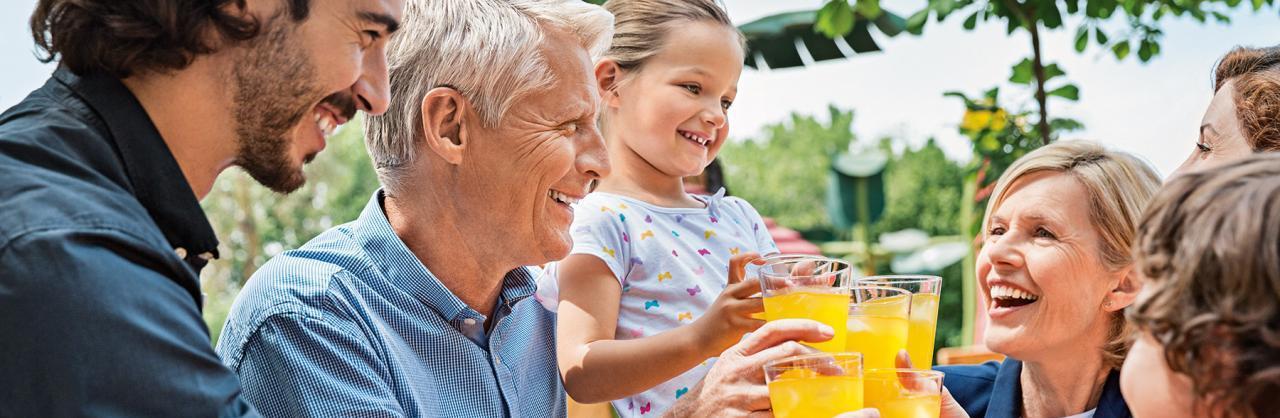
1209,249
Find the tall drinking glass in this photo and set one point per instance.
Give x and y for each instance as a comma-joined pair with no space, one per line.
925,294
903,393
815,385
878,323
808,288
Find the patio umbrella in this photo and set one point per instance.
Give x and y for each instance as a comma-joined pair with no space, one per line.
789,40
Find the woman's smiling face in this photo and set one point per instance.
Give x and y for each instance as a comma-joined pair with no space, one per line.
1040,270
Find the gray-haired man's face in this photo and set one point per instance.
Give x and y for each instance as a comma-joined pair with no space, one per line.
522,176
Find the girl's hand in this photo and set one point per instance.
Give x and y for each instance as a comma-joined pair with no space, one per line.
729,317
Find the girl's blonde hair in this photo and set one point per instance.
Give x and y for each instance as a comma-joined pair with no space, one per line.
641,26
1119,187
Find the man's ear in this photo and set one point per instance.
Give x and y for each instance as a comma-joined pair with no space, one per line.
443,130
1124,292
608,76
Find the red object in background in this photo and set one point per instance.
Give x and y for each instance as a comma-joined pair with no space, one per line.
789,241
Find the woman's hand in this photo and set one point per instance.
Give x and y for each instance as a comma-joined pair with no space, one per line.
729,317
950,408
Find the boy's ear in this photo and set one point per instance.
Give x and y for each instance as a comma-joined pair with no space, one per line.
608,75
443,130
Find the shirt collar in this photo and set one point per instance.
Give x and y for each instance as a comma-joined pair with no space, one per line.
1006,394
403,269
155,178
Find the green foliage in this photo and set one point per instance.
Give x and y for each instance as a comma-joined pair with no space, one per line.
1141,30
254,224
784,173
835,19
922,190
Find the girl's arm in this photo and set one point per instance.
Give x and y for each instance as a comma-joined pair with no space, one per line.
597,368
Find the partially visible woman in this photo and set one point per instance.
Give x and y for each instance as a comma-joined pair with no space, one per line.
1209,313
1244,116
1056,274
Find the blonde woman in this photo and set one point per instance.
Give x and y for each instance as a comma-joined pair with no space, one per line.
1056,274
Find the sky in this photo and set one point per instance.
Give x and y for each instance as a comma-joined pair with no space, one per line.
1152,109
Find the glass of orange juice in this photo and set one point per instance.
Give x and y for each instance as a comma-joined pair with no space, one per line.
925,294
903,393
808,287
820,385
878,324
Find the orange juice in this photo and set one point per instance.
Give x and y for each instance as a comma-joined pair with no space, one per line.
826,305
886,393
815,397
915,406
924,323
878,338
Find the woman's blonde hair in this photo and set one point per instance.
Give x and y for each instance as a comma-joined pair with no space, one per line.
1119,187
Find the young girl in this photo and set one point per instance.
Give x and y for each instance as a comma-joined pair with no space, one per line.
653,289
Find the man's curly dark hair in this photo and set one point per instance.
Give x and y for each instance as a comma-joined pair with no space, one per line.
121,38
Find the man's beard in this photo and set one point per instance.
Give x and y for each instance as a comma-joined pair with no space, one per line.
275,88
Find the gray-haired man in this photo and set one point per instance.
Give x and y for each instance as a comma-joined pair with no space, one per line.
421,306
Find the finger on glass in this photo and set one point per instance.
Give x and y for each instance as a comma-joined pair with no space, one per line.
815,385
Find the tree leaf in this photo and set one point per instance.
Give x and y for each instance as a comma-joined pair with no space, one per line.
1022,72
1121,50
1257,5
967,103
1050,14
1144,51
1093,8
944,8
835,19
915,23
972,21
1073,6
1082,38
992,94
1069,92
1100,36
1053,70
868,8
1221,18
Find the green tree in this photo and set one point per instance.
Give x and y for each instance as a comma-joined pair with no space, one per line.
1139,30
922,190
784,172
255,224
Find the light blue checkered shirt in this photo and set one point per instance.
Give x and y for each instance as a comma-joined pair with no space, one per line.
352,324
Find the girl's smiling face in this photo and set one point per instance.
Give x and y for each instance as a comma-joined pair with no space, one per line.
671,112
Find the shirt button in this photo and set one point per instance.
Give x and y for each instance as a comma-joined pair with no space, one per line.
469,322
182,252
206,256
